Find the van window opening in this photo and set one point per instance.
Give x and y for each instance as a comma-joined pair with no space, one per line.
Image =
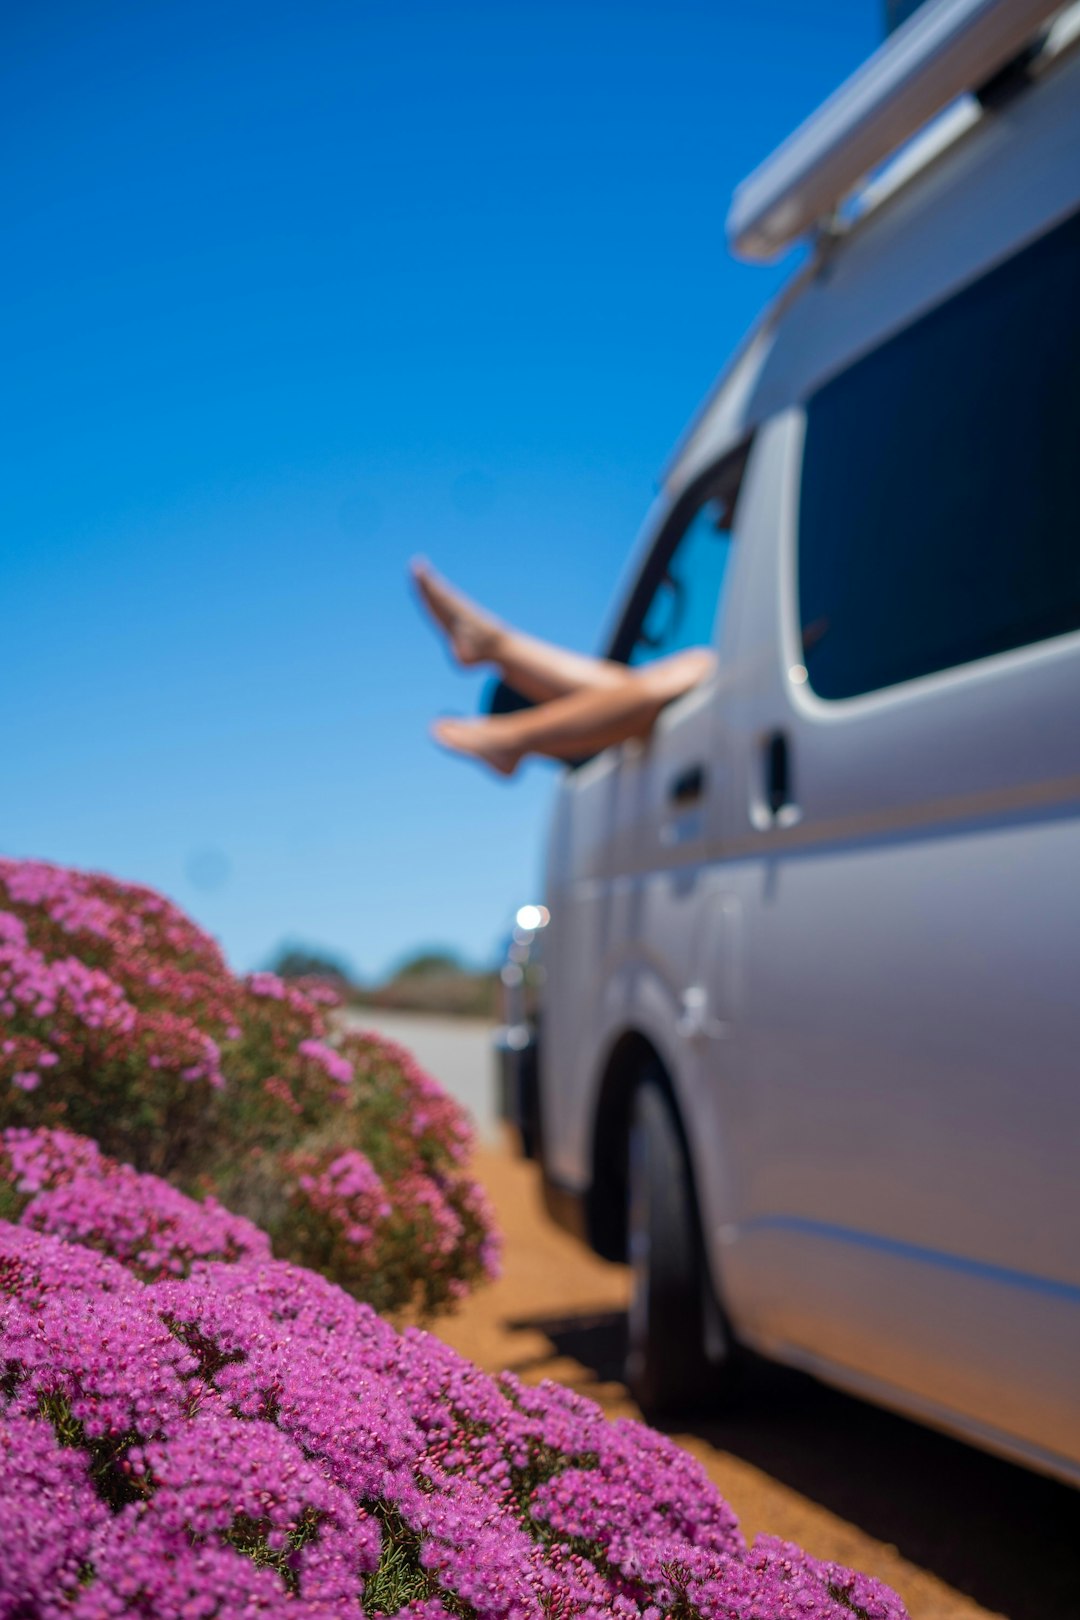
676,602
683,610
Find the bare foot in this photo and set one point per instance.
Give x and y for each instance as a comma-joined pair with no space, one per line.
471,632
481,739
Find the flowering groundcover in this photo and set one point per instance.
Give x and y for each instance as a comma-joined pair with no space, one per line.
120,1021
190,1430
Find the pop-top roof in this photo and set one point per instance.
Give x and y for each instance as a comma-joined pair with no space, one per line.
945,48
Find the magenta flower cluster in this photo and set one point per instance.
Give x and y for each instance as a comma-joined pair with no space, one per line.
73,1007
350,1193
250,1441
120,1021
332,1063
64,1185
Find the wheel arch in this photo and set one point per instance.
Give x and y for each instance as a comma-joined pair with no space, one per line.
630,1056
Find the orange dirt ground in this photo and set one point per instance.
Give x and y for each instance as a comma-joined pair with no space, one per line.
960,1535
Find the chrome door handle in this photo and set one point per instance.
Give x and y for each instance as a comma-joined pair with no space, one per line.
778,791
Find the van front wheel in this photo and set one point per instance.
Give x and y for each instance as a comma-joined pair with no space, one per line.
679,1351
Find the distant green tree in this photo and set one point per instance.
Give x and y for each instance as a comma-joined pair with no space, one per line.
304,962
432,962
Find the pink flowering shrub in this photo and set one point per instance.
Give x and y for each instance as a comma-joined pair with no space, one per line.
249,1440
54,1182
120,1022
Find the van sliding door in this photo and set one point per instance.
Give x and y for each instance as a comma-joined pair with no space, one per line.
911,870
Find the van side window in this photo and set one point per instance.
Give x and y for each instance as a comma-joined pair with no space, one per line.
684,605
941,483
678,597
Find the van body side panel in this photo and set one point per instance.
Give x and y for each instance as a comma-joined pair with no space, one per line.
623,925
633,900
909,1025
859,970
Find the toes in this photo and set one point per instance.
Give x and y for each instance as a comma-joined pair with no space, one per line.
433,593
469,737
470,631
451,733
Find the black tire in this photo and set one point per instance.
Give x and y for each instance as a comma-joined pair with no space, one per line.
679,1352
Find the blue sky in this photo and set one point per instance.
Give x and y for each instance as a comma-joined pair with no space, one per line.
292,292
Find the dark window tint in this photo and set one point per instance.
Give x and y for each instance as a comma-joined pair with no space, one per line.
941,483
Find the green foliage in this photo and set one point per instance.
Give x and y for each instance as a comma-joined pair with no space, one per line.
401,1577
427,964
305,962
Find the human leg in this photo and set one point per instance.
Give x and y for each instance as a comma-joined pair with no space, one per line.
539,670
581,722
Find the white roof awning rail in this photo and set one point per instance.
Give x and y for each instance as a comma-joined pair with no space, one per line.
945,48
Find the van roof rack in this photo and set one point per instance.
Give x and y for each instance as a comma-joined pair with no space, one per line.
944,48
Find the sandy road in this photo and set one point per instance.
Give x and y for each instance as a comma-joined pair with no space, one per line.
961,1535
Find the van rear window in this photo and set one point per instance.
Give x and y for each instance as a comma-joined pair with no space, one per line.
938,515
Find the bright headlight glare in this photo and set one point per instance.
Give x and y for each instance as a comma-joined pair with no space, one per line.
532,917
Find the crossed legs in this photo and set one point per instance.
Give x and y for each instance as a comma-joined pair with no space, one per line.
582,704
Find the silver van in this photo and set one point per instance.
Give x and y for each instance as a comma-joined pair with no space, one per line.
809,1034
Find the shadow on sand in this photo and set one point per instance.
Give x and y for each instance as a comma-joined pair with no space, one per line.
1008,1538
